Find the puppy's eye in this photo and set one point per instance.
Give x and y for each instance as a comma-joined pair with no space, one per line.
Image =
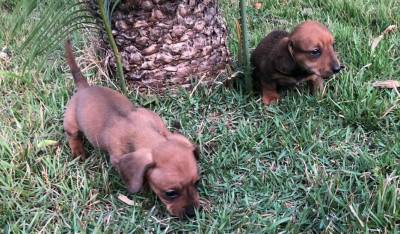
171,194
315,53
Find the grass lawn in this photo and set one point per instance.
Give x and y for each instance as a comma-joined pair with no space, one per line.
308,164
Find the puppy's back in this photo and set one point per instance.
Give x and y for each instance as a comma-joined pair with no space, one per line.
264,50
98,107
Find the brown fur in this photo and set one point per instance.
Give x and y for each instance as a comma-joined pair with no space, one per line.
285,59
140,146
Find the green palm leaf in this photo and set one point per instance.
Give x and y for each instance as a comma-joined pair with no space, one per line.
58,19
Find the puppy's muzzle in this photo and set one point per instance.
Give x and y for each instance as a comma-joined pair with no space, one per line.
337,68
190,211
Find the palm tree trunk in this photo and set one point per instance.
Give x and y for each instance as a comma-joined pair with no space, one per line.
166,43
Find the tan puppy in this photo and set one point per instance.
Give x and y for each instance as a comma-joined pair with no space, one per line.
285,59
140,146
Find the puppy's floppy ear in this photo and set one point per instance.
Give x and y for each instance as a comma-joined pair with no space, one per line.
290,47
285,61
133,166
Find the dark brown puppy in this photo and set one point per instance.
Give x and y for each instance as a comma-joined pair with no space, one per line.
285,59
140,146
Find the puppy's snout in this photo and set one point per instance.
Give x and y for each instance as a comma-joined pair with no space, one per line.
190,211
336,68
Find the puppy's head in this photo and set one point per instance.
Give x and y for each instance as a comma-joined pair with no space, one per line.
312,47
171,171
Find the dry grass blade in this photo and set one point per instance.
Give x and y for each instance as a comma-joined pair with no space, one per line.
387,84
378,39
390,29
126,200
375,43
354,212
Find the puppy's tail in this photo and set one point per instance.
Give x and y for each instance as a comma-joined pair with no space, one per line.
79,80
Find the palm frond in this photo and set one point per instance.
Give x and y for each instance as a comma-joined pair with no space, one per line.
28,6
57,19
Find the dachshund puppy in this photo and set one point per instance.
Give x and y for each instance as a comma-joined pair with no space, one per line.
139,145
286,59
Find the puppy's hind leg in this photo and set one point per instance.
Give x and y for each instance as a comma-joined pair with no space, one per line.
76,144
73,134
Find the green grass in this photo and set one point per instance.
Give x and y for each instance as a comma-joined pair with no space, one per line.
308,164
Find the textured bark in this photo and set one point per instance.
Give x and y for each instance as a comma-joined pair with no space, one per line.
166,44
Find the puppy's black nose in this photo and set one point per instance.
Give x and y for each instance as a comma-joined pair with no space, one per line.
190,211
336,68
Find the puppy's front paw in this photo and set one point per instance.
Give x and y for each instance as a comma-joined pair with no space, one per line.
79,152
77,149
270,99
317,86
